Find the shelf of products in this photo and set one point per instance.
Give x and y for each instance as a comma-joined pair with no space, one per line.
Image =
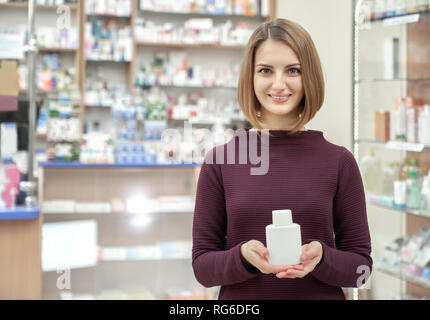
195,32
148,86
199,14
224,8
408,258
108,65
391,130
380,10
58,59
108,8
52,76
189,45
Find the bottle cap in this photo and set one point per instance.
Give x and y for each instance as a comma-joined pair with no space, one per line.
282,217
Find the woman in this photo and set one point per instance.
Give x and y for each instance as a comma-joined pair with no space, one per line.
281,87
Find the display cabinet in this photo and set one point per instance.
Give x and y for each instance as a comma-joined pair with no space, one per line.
390,124
118,232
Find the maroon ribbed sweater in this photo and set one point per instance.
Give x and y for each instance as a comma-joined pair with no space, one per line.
319,181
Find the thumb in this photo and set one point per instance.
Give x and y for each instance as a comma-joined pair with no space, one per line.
306,252
312,249
261,249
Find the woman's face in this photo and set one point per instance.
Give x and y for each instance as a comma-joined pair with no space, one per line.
278,83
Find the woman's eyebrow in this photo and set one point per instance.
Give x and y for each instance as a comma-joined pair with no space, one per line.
269,66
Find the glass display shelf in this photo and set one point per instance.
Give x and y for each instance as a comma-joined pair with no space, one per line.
400,271
396,145
376,80
387,202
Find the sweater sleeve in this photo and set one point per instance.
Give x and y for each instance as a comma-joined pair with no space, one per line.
212,263
344,265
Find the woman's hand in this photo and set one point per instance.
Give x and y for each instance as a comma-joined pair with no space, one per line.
257,254
312,254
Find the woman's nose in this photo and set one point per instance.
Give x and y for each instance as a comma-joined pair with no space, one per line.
279,82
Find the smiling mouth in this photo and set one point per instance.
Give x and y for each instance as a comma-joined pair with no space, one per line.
282,98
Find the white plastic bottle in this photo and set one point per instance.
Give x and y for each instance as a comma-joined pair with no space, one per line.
370,167
412,125
400,122
425,196
283,239
424,125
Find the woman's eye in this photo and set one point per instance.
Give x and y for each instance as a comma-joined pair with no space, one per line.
264,71
294,71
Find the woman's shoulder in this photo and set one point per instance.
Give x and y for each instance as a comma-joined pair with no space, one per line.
334,147
345,158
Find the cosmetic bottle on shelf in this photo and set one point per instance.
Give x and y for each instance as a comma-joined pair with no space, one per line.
371,171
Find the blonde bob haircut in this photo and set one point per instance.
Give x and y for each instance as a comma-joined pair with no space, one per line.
298,39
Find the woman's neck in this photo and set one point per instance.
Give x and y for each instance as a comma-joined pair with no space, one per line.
272,121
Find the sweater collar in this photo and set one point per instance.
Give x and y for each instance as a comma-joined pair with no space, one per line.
287,136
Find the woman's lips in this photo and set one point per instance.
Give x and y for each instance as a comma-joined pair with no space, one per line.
280,98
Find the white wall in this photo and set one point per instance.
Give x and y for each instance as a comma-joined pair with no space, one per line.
329,22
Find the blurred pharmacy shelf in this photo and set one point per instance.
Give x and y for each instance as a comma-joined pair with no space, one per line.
200,14
167,86
397,145
401,272
402,18
381,92
386,202
188,45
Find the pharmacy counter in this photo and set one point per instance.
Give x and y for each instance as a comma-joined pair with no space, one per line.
114,165
20,253
19,213
125,229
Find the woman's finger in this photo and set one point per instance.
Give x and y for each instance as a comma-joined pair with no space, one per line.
296,273
270,268
292,273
